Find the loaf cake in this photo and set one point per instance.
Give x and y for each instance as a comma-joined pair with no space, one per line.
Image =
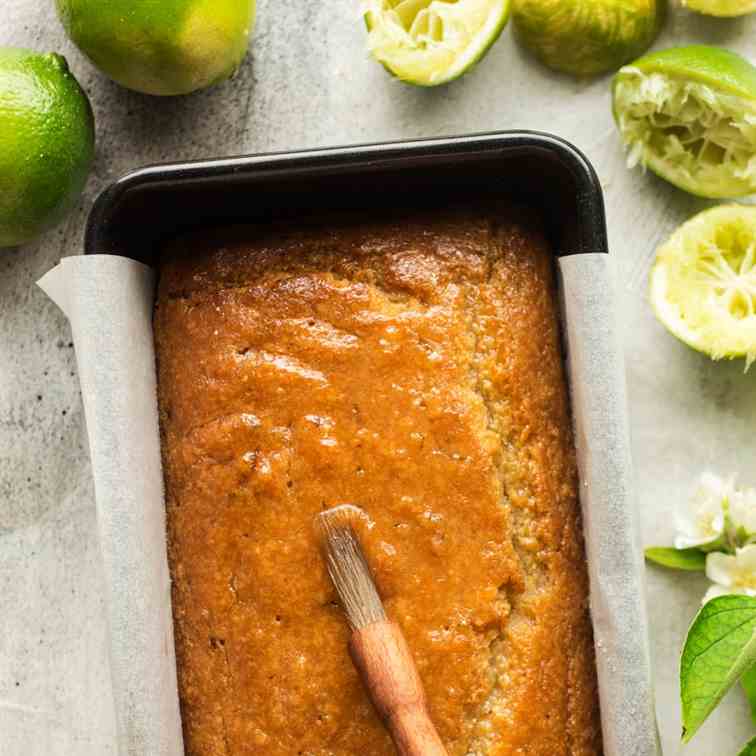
410,365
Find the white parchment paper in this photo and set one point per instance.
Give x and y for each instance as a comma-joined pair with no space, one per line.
108,300
607,493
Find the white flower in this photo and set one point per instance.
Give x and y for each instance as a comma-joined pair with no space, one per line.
703,519
732,574
743,509
715,591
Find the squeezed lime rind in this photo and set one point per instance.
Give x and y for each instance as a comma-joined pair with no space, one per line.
428,42
689,114
703,283
721,8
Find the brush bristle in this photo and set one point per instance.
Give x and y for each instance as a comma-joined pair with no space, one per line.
347,566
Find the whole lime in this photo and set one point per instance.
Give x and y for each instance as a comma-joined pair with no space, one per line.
164,47
587,37
46,142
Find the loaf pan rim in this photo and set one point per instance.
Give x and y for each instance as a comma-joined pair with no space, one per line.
354,158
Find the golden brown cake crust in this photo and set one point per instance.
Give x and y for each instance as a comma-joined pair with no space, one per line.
411,366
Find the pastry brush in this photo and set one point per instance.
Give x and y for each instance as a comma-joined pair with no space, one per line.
377,647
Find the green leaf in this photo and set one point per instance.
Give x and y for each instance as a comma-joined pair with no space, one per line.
750,749
693,560
748,681
720,647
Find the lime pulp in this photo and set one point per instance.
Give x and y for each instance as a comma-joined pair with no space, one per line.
703,282
689,114
432,42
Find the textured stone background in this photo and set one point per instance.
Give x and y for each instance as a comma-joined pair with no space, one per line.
308,82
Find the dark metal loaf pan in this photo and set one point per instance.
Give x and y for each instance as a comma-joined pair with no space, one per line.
137,212
142,210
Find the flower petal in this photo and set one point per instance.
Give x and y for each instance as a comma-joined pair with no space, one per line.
743,509
720,568
717,590
688,542
702,520
746,559
714,592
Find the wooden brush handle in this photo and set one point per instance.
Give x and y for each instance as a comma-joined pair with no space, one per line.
385,663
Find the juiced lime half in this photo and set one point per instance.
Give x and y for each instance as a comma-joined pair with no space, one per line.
689,114
431,42
722,7
703,283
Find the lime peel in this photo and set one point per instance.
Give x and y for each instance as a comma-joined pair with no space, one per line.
722,8
171,47
703,283
432,42
702,140
47,142
587,37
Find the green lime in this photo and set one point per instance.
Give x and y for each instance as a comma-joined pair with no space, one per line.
46,142
703,283
722,8
432,42
587,37
168,47
689,114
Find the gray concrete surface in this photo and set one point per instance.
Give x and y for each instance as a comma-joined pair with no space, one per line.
308,82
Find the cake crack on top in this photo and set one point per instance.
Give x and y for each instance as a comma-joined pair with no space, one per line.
504,591
230,678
